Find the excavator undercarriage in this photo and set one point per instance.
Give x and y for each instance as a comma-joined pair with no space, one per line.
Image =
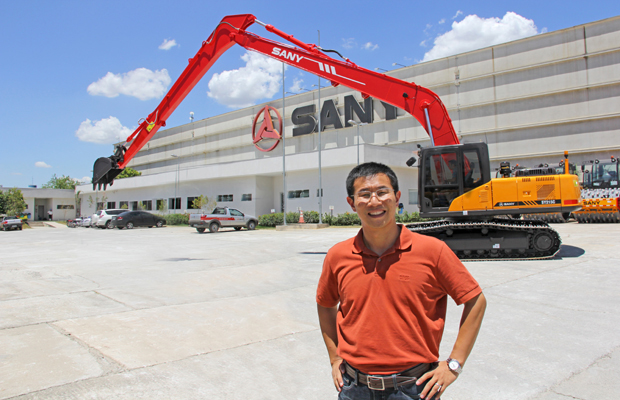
496,239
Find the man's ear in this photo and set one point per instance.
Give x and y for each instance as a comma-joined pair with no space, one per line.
351,203
397,194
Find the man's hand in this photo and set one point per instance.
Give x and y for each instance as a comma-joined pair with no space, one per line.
438,380
337,371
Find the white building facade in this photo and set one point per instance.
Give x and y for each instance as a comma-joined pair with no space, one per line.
41,202
529,100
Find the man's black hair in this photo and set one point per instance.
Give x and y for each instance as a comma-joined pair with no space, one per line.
367,170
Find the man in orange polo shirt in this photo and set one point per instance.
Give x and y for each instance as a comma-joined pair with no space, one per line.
382,300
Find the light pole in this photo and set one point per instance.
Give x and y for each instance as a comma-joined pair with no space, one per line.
283,151
381,69
320,178
176,177
395,64
357,124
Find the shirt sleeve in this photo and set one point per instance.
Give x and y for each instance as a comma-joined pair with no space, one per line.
456,280
327,291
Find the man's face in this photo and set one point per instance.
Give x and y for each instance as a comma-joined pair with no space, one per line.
374,201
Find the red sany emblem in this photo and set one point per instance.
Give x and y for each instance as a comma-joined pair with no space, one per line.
266,132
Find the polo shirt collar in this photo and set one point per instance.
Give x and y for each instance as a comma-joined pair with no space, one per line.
402,243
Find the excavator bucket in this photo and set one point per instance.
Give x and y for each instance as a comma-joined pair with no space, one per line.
104,172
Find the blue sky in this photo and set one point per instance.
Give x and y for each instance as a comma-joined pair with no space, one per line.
75,75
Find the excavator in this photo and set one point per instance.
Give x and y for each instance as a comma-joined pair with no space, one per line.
454,179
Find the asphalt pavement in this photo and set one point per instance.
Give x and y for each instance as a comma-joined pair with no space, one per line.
172,314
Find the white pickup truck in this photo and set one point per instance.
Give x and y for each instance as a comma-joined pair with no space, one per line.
9,223
222,217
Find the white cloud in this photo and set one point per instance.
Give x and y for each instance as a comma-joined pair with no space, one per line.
105,131
441,21
86,179
297,85
42,164
168,44
474,33
141,83
259,79
349,43
459,12
370,46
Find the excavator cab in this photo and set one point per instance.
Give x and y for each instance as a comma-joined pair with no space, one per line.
600,174
447,172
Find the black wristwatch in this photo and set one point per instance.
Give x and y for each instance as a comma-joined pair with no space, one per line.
454,366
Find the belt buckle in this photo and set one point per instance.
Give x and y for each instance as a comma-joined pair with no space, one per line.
374,380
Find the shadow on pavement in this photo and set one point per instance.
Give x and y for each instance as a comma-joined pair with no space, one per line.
567,251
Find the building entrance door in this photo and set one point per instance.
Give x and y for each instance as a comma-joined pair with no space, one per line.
40,213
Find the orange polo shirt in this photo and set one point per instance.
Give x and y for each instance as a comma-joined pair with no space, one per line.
392,308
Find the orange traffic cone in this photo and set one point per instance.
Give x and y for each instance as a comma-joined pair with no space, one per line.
301,217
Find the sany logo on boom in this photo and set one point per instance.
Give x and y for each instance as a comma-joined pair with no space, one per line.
324,67
288,55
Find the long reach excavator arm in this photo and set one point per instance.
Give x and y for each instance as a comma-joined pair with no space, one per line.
418,101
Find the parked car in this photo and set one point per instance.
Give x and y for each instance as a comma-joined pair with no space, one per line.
12,222
93,219
104,217
131,219
86,222
74,223
222,217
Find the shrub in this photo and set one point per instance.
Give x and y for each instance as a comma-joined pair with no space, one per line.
271,219
292,217
347,219
407,217
311,217
177,219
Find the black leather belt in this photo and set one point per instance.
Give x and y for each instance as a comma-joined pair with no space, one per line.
382,382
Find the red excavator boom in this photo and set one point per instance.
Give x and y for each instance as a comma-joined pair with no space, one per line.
418,101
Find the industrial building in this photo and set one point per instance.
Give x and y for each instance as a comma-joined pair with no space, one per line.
529,100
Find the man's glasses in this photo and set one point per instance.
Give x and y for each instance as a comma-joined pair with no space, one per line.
382,194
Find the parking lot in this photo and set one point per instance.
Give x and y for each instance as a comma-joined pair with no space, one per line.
172,314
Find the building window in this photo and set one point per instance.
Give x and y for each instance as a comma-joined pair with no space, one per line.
298,194
64,207
134,205
100,205
123,205
413,196
190,202
111,204
174,203
246,197
147,205
161,205
317,193
224,197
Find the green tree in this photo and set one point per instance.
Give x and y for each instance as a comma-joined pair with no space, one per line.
2,202
64,182
128,173
14,202
78,202
203,202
